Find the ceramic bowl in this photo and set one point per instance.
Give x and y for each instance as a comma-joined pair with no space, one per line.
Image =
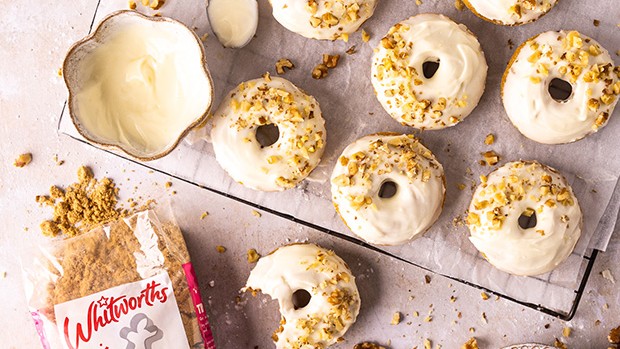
108,90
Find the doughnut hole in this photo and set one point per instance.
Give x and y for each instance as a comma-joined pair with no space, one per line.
560,90
267,135
527,219
430,67
388,189
301,298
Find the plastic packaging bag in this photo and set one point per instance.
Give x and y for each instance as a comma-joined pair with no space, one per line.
128,284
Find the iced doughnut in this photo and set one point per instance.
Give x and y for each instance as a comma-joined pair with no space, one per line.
560,87
268,134
388,188
316,293
510,12
429,72
323,19
524,218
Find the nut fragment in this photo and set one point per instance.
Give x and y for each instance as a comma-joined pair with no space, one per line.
23,160
319,72
472,343
331,61
283,63
614,336
395,318
490,158
367,345
490,139
365,36
220,249
253,256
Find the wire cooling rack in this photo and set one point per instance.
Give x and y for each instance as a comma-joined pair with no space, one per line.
544,285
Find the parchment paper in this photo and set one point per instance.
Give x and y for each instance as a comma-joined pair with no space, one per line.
351,111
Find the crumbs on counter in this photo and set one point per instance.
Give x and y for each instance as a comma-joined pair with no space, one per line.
351,50
220,249
256,214
253,256
596,22
322,69
168,184
489,139
395,318
484,296
427,342
489,158
472,343
23,160
427,279
57,161
566,331
80,206
283,63
204,215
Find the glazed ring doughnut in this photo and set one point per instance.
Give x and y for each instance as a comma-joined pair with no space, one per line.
388,188
316,293
524,218
323,19
268,134
560,87
510,12
429,72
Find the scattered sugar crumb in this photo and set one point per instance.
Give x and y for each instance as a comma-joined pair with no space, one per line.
256,213
23,160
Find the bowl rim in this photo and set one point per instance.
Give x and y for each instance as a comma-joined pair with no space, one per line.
71,98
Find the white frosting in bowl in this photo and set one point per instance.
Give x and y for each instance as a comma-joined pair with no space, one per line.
443,99
531,189
334,303
579,61
359,193
234,22
138,84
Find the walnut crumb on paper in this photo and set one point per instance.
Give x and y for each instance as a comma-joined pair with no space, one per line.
484,318
365,36
256,214
220,249
253,256
331,61
427,342
490,139
484,296
23,160
320,72
168,184
472,343
596,22
204,215
284,63
489,158
566,331
558,343
351,50
614,336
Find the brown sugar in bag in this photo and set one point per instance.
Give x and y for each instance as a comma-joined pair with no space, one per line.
128,284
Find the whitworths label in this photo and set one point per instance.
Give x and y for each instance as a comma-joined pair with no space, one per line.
139,315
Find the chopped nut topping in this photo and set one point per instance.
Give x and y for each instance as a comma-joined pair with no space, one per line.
490,158
220,249
331,61
320,71
614,336
472,343
256,213
490,139
484,296
367,345
566,332
204,215
365,36
395,318
156,4
23,160
283,63
253,256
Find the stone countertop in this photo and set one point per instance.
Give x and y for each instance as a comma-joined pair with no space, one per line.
33,41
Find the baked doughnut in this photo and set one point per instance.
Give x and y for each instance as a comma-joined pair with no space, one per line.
510,12
316,293
559,87
524,218
388,188
429,72
242,141
323,19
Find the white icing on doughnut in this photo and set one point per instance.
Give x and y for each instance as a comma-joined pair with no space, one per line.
266,101
574,58
334,304
517,188
365,165
448,96
510,12
323,19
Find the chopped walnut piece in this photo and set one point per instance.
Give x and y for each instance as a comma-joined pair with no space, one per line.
395,318
558,343
23,160
220,249
427,342
256,213
484,296
283,63
367,345
319,72
131,4
596,22
204,215
472,343
365,36
566,331
490,139
331,61
351,50
253,256
614,336
490,158
156,4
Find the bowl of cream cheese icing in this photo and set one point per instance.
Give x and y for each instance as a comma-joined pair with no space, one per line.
138,84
